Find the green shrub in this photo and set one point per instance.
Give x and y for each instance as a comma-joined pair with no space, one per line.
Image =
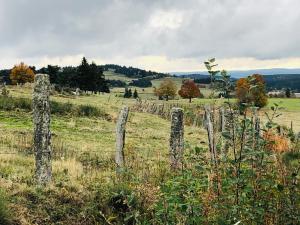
57,108
4,91
5,216
61,108
10,103
125,204
179,201
89,111
91,160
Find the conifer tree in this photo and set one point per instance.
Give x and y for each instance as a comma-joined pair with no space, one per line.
129,93
126,93
135,94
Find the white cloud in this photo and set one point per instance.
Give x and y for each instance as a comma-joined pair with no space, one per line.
166,19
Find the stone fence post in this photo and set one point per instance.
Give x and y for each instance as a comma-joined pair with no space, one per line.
176,138
120,137
42,134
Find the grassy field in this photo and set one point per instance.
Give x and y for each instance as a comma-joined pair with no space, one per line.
83,156
111,75
83,151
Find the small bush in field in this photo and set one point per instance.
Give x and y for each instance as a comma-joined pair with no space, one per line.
87,110
58,108
4,91
4,212
125,204
61,108
9,103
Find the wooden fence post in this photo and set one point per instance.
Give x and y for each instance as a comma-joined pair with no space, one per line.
257,125
210,134
42,134
222,119
176,138
120,137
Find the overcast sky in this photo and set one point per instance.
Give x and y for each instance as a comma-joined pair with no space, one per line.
162,35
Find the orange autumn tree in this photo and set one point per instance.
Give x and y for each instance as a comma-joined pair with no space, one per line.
21,74
252,90
189,90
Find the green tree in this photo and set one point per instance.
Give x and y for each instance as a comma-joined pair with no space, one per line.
90,77
135,94
210,65
166,89
129,93
288,93
126,95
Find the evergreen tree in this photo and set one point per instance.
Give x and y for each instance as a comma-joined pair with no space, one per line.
135,94
288,93
126,93
129,93
52,71
90,77
83,75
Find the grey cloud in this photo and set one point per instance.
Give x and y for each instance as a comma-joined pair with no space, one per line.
263,29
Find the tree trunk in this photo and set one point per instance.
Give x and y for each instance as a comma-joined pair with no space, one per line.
190,100
42,134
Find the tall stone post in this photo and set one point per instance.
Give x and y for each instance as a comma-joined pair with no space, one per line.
176,138
120,137
42,134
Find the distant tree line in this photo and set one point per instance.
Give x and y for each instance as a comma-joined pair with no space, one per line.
142,82
116,83
273,82
86,76
204,80
133,72
283,81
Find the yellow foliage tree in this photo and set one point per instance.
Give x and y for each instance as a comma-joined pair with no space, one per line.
167,88
21,74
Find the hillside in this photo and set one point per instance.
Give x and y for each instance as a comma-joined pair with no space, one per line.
133,72
273,81
85,188
283,81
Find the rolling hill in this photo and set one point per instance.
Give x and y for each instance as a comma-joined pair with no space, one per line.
273,81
